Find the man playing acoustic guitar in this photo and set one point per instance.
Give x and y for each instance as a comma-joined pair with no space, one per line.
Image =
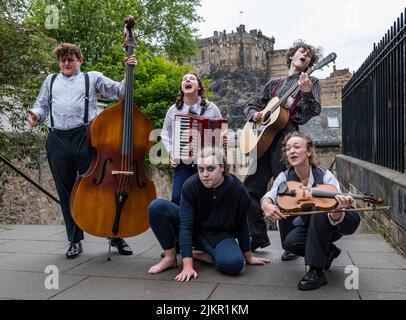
303,105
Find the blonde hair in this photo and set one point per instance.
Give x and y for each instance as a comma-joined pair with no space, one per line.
217,153
309,144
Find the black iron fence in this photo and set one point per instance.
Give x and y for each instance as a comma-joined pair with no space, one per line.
374,104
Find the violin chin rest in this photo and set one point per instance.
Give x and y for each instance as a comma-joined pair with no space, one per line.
282,187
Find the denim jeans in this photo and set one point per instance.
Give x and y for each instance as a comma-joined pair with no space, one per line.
180,174
164,222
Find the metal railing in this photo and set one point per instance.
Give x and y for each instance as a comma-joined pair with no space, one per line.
374,104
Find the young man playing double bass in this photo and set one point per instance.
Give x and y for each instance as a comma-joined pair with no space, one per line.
313,235
69,98
303,105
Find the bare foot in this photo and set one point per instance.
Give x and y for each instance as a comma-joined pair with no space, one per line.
164,264
202,256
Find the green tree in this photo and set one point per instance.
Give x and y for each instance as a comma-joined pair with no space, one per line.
156,80
25,61
96,26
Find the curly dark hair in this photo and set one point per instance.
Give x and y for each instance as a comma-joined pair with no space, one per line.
310,147
179,100
67,49
316,53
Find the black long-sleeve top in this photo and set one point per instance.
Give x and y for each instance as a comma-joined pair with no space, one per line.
217,213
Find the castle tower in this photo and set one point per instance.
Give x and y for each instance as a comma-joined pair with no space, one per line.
238,49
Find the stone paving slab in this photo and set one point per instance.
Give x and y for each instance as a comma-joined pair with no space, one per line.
18,232
31,285
382,280
378,260
25,251
34,246
113,288
129,267
4,254
382,295
250,292
364,242
38,262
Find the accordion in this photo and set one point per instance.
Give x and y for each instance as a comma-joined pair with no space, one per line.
191,133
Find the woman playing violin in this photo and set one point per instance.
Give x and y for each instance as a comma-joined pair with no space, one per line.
311,236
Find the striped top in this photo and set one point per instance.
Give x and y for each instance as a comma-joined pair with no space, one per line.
308,107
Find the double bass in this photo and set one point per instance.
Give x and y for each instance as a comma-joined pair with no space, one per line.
111,199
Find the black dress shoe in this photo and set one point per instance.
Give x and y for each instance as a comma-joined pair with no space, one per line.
259,243
334,253
122,246
313,279
288,256
74,250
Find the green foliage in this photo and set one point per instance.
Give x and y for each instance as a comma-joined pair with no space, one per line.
156,80
156,86
163,33
165,25
25,61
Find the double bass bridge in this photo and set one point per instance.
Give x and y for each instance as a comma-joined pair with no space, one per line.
124,173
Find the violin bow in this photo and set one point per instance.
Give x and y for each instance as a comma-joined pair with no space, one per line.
383,208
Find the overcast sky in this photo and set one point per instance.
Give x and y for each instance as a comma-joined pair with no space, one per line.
347,27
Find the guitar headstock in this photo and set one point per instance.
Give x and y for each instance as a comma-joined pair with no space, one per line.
325,61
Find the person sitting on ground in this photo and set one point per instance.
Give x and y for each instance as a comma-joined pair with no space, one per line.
212,215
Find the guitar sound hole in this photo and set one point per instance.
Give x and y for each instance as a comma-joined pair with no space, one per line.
267,116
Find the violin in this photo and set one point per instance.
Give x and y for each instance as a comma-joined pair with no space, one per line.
296,199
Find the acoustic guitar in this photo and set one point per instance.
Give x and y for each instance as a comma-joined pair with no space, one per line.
275,117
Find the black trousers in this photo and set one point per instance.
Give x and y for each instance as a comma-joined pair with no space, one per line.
313,237
68,155
268,166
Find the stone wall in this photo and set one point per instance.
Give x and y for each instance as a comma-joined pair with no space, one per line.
232,88
277,67
23,203
326,156
249,50
331,87
361,177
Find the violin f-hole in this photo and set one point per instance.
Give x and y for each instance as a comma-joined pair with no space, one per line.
140,184
103,172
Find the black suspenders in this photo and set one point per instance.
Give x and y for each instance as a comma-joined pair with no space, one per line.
86,116
50,98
